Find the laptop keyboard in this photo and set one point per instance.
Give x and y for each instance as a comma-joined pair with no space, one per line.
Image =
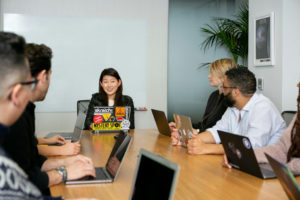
100,174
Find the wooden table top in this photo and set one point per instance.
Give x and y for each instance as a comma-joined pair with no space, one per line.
200,177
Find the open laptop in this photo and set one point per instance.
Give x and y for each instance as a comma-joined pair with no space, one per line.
155,177
111,119
111,170
240,155
72,135
286,178
161,122
185,128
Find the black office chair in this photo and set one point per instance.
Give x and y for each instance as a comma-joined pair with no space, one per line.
82,106
288,115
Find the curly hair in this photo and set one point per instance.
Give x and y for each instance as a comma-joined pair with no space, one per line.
39,57
294,150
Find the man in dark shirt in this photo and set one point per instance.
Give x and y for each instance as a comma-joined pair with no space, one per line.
41,171
15,84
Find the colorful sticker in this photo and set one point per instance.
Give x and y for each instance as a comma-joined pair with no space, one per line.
106,116
246,143
120,112
107,126
98,119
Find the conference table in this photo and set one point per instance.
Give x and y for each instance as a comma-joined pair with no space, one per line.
200,176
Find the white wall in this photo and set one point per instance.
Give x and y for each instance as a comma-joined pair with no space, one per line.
279,80
155,12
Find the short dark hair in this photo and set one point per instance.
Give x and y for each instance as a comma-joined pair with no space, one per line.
39,57
102,94
243,79
13,68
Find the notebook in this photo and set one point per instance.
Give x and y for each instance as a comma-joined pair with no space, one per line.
76,134
111,119
185,128
155,177
240,155
113,165
286,178
161,122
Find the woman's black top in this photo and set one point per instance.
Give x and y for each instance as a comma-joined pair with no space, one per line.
215,108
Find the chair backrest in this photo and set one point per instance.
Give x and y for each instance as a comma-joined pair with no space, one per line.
288,115
82,106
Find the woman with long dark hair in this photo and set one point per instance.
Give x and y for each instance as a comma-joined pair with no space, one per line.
110,94
287,149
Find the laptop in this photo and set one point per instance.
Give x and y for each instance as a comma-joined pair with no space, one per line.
286,178
111,119
240,155
161,122
111,170
69,135
185,128
155,177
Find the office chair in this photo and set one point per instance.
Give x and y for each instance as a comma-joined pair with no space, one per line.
288,115
82,106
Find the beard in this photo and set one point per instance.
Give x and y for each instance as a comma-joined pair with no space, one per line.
228,100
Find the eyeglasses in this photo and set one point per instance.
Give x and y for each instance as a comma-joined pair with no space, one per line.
32,83
224,87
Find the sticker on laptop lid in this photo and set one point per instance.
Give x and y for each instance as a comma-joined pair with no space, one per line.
120,111
97,119
105,126
238,153
246,143
125,124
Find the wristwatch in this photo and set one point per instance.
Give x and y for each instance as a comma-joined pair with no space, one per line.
63,172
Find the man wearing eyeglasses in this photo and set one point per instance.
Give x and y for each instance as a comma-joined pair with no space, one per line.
21,142
248,113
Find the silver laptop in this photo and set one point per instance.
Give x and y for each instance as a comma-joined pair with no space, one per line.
240,155
155,177
111,170
75,134
185,128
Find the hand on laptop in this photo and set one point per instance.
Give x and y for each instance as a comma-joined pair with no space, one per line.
72,159
225,162
172,126
175,138
70,149
80,168
57,139
196,145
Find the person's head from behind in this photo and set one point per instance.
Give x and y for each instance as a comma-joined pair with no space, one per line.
238,83
110,86
218,69
294,150
39,57
15,79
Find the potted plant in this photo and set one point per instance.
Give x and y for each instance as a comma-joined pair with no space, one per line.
231,33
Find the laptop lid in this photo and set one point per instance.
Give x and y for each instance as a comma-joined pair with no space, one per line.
117,154
185,128
161,122
286,178
155,177
78,127
239,152
111,119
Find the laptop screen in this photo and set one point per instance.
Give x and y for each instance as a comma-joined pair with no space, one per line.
117,154
80,121
154,180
